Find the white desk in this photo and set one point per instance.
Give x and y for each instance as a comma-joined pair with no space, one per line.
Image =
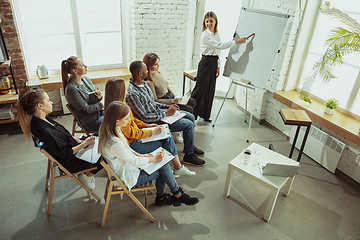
275,183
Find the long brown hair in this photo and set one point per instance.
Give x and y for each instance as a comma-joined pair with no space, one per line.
210,15
26,107
115,111
149,60
66,67
114,90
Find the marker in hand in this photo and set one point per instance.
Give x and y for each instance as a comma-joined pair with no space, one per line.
251,35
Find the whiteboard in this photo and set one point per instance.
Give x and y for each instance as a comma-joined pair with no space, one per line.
254,60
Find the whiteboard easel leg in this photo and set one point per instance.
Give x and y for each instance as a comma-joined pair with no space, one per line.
251,114
223,103
246,95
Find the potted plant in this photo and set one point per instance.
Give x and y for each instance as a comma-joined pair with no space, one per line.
331,105
341,42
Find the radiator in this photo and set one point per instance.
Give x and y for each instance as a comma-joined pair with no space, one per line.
320,146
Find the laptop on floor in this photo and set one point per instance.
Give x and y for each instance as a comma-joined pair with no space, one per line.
275,169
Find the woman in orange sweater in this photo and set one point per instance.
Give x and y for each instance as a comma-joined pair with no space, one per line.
115,90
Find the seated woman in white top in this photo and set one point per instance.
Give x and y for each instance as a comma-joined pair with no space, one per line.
127,163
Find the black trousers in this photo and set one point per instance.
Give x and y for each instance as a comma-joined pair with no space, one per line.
204,89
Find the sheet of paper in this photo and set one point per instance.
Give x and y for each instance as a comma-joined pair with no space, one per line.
184,100
152,167
90,154
171,119
163,135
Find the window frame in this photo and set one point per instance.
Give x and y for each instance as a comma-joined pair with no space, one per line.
125,35
306,32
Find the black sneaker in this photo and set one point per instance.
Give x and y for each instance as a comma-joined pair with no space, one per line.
192,159
208,120
166,200
198,151
184,199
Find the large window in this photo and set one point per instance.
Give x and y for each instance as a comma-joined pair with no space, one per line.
346,86
53,30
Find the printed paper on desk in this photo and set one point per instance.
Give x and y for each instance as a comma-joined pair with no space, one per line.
171,119
152,167
90,154
163,135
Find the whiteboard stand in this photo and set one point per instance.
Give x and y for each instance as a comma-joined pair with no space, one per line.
247,86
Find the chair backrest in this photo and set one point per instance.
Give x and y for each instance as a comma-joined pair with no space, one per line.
78,122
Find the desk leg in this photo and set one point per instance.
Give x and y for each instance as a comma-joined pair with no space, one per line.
229,176
183,85
303,143
294,142
288,186
271,204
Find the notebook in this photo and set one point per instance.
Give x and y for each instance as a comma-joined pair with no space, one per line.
275,169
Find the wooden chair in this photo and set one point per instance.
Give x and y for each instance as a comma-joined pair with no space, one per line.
63,173
77,123
111,190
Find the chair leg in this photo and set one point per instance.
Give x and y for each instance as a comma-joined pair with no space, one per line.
52,182
109,187
136,201
47,175
146,205
86,188
73,128
106,188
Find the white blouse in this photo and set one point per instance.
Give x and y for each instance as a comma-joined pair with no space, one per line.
125,164
210,44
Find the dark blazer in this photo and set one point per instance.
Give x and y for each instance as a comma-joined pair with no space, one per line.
78,98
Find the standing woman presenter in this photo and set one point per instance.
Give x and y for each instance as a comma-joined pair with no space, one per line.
208,68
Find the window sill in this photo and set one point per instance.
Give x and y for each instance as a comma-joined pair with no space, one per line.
97,77
339,123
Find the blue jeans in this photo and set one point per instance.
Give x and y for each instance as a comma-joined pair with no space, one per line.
164,176
95,125
186,125
148,147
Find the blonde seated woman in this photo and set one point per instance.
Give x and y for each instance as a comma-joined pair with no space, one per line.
115,90
126,163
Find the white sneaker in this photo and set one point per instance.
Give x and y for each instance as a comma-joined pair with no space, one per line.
177,137
184,171
176,176
88,181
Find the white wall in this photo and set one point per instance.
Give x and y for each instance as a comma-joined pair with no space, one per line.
162,27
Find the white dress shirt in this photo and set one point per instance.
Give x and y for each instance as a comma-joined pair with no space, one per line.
125,164
210,44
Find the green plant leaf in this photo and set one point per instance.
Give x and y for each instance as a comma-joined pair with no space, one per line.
342,41
305,96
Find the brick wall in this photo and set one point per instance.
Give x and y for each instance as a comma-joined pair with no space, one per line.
13,45
161,27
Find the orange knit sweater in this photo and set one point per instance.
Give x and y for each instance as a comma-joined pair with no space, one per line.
132,130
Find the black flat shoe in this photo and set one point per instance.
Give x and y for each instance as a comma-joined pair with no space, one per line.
192,159
198,151
165,200
186,199
208,120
